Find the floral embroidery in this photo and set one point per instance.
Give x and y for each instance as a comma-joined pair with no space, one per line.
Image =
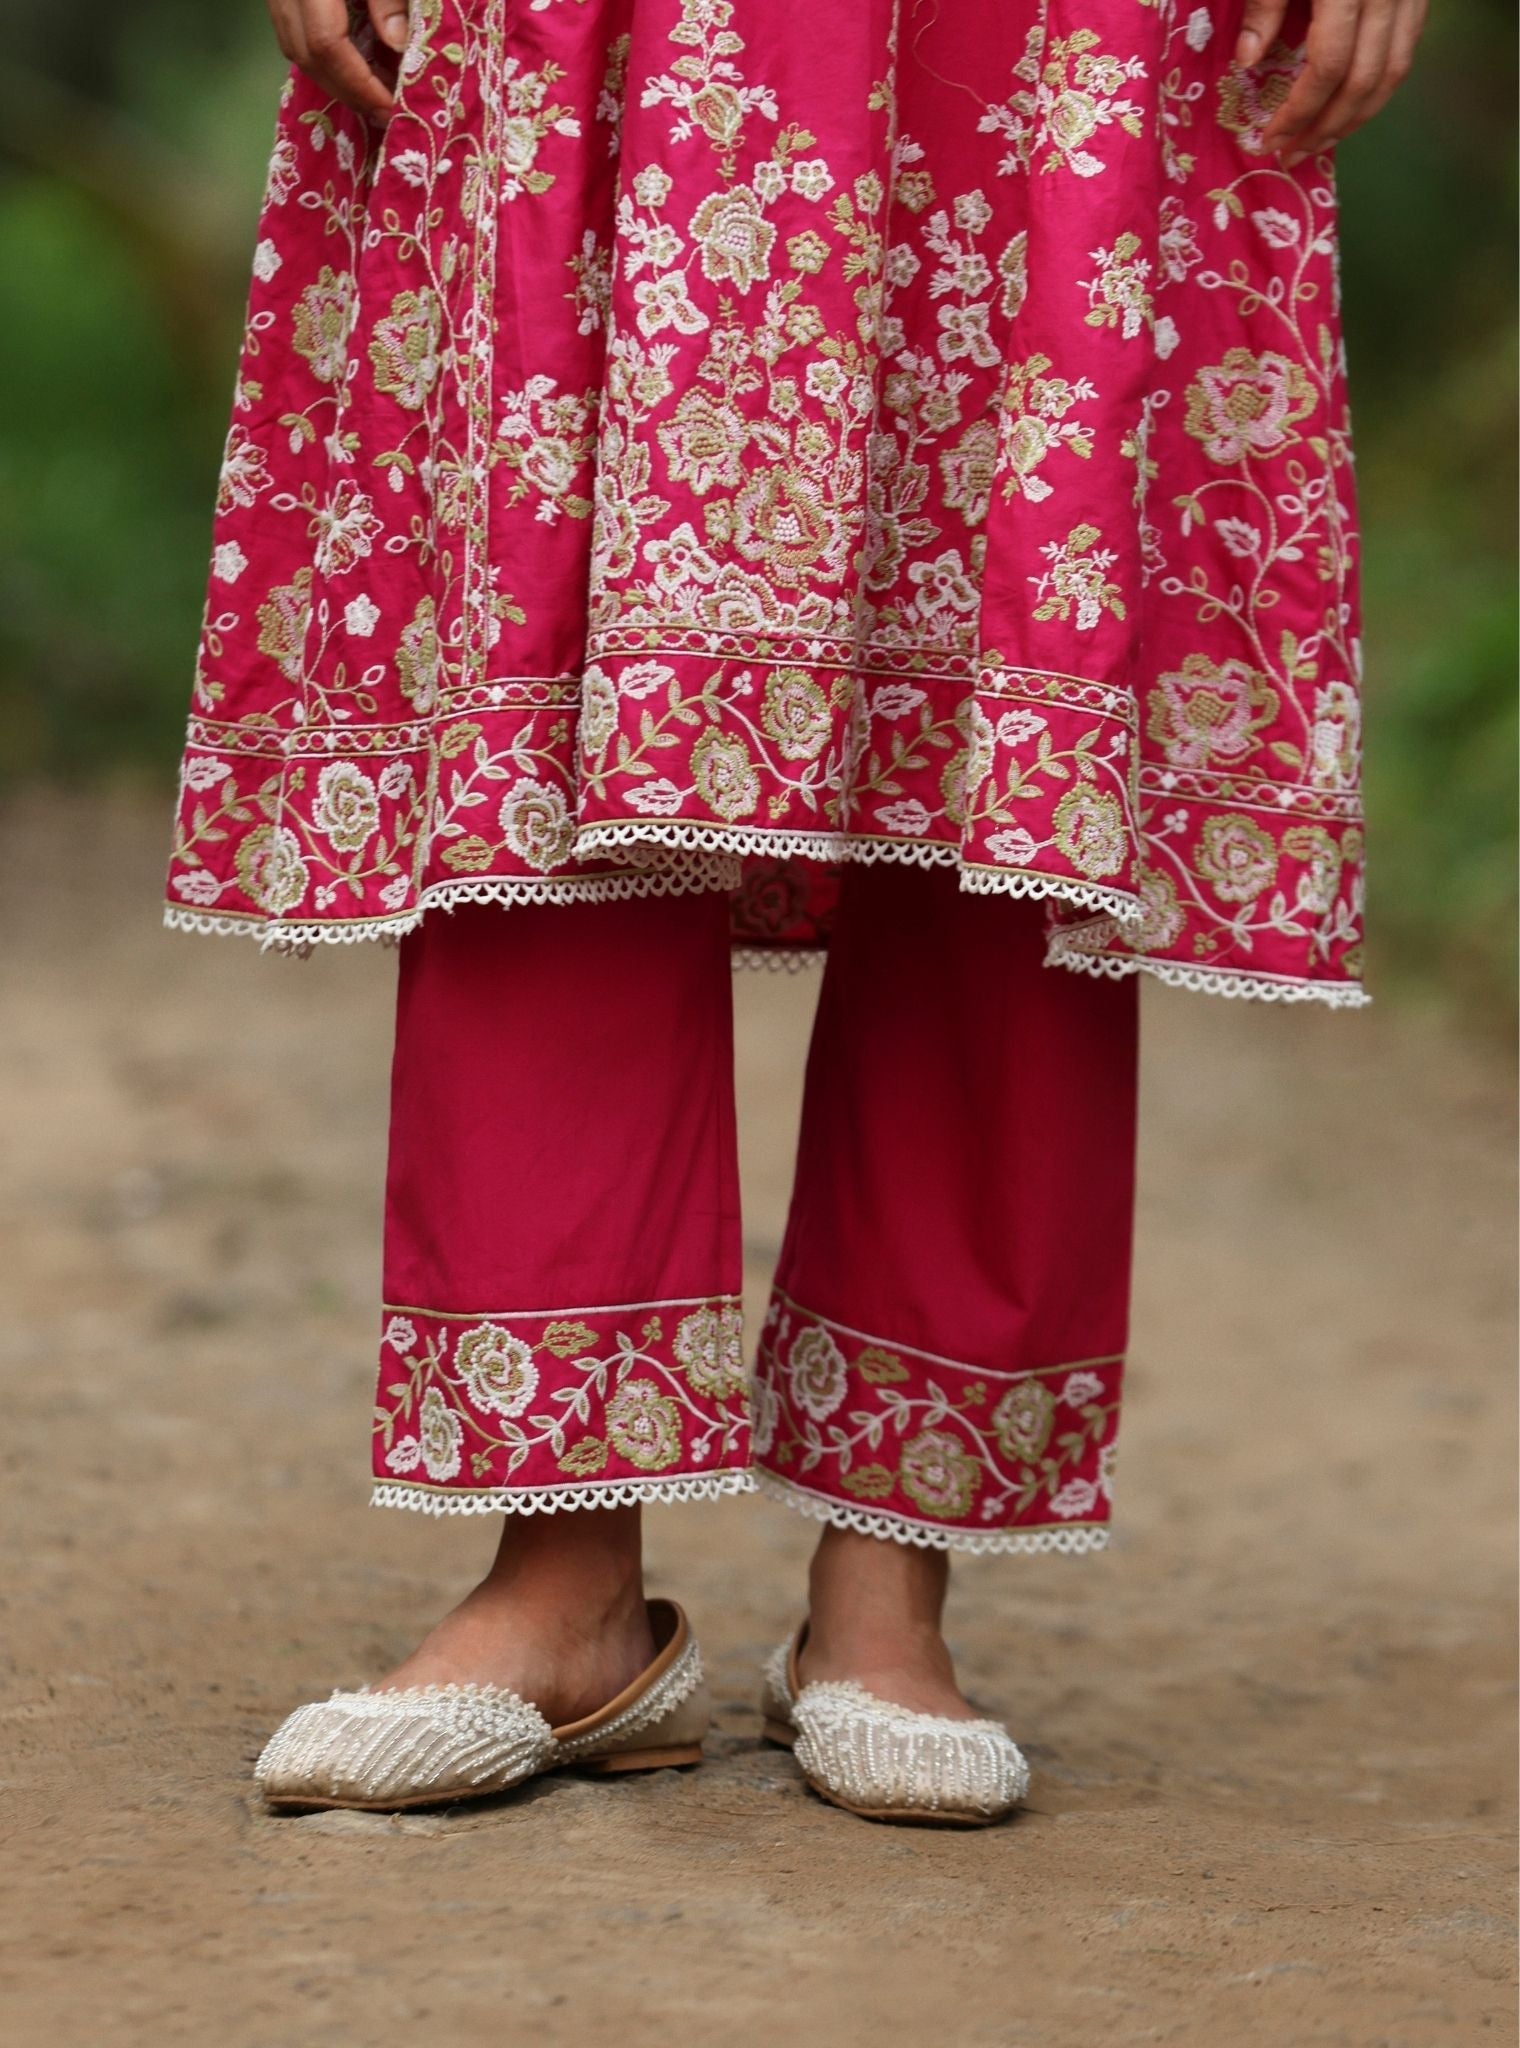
709,1343
1237,857
816,1373
496,1369
936,1473
1209,713
662,462
1247,406
404,353
500,1411
1022,1420
866,1432
509,1406
644,1425
347,808
440,1435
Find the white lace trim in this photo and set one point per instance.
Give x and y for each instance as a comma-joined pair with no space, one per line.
550,1500
1209,981
275,935
688,837
720,871
777,959
178,919
1072,1542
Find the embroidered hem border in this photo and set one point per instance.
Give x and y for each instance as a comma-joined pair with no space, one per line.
538,1411
893,1441
1060,951
277,936
1070,946
1066,1539
554,1408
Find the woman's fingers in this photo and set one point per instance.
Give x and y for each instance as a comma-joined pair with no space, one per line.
390,20
1328,51
314,34
1361,94
288,32
1358,54
1409,26
1259,26
334,61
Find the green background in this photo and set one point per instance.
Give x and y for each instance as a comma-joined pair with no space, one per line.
132,151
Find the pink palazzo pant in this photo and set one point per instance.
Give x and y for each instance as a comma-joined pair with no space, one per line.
942,1354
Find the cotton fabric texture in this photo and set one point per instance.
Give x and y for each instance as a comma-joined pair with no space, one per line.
942,1357
708,443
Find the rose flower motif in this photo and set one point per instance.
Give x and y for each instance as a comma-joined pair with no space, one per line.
939,1475
497,1369
644,1425
816,1373
708,1345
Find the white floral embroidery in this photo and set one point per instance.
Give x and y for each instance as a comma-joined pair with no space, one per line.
1080,1388
817,1372
1076,1497
441,1436
497,1369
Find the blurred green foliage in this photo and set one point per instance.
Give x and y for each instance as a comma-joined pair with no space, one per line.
132,147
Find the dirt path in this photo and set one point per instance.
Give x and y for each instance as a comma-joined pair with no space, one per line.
1271,1727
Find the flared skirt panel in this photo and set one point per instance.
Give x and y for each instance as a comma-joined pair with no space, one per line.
705,441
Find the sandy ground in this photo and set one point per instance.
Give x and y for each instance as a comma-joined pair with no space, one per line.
1271,1727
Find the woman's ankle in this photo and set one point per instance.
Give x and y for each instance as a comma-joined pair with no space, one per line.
585,1567
864,1583
874,1615
560,1617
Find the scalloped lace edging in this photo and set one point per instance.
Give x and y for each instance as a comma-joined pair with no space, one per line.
178,919
882,1522
550,1500
718,868
275,936
687,836
776,959
1208,981
719,871
845,847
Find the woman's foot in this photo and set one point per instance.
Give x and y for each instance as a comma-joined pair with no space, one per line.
865,1696
874,1616
433,1740
560,1618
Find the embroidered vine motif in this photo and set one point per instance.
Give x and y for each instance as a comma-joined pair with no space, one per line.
654,465
655,1402
595,1395
879,1429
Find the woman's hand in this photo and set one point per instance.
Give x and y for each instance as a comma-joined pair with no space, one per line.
1358,51
314,34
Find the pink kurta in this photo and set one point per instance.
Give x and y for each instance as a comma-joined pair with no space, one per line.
709,440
